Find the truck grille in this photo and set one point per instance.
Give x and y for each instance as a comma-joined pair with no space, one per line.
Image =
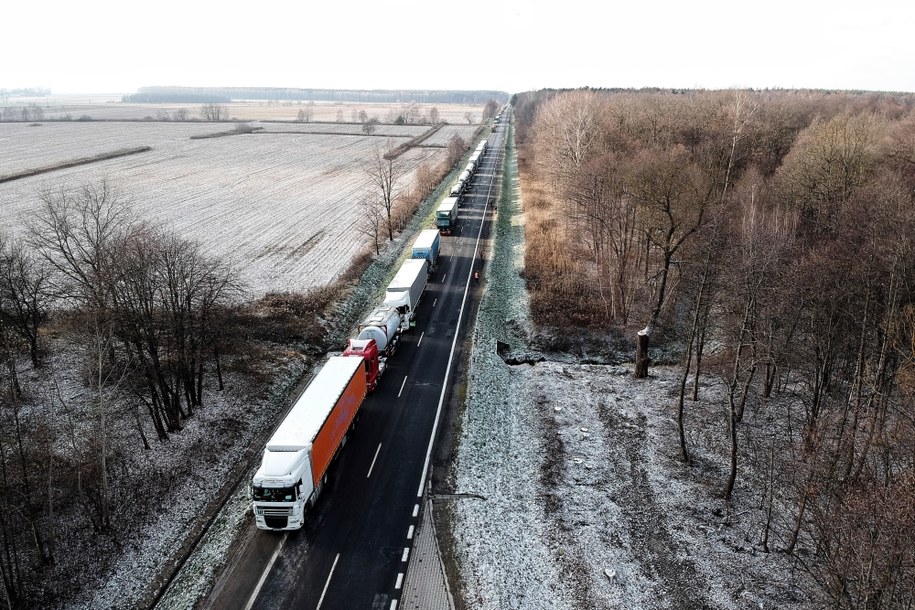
275,522
276,512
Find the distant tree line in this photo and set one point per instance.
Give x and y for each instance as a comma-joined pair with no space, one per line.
771,237
222,95
5,94
28,112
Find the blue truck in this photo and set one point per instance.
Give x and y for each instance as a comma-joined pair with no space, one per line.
426,246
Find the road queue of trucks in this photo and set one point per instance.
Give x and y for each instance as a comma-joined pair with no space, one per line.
466,177
296,459
294,466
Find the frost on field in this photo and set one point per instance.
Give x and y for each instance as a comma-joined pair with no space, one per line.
354,129
282,207
444,135
28,147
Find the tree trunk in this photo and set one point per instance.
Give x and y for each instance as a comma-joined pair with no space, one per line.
771,493
684,454
641,353
795,534
700,350
218,367
732,433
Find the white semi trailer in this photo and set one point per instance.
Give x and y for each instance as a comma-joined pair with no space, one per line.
407,288
294,467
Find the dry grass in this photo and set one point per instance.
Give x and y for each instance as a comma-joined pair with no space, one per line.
558,279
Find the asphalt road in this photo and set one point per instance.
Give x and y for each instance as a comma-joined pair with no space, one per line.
354,549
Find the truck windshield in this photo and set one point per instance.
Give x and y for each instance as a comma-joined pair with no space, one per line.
274,494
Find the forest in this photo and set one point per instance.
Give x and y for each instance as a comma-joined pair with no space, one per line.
765,239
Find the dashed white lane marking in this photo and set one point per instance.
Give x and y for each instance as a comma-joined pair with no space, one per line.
410,533
399,582
420,342
260,583
327,584
393,604
402,385
373,461
406,554
415,510
434,302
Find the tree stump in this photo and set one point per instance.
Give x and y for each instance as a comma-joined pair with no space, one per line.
641,353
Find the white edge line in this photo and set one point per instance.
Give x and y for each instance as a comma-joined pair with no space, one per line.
263,578
373,461
327,584
402,386
457,334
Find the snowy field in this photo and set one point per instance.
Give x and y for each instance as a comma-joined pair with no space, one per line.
355,129
568,491
282,207
443,135
26,146
110,107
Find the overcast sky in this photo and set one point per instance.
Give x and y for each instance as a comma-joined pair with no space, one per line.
107,46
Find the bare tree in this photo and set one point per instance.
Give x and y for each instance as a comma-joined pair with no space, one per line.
434,116
829,162
384,171
763,238
180,114
105,383
468,116
567,126
371,210
673,195
23,293
75,231
369,126
456,148
214,112
490,109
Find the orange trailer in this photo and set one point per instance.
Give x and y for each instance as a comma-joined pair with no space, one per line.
299,453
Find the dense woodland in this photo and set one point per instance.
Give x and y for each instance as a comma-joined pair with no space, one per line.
766,239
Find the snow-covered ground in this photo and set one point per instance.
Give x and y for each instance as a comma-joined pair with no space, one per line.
282,207
568,490
110,107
